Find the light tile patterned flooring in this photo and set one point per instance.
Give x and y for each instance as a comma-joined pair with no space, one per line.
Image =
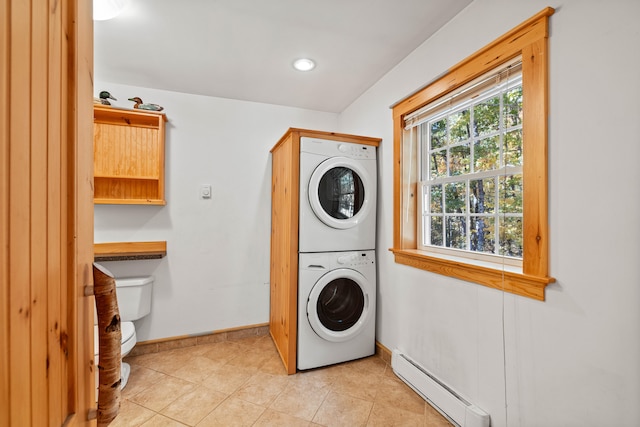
243,382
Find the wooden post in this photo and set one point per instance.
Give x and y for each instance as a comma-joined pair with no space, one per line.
110,338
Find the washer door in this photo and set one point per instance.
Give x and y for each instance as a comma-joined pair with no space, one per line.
339,192
338,305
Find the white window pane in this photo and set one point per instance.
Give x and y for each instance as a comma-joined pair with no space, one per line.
459,127
512,100
435,199
436,231
438,161
438,134
510,194
486,154
482,196
459,160
513,148
483,234
455,197
456,232
487,116
511,236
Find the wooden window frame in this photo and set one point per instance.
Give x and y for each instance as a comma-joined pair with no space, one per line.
529,41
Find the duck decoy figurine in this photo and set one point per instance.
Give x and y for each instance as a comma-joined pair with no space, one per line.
104,98
142,106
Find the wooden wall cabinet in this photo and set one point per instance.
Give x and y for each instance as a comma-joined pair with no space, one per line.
128,156
285,194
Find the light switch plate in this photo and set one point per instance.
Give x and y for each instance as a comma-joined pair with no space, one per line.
205,191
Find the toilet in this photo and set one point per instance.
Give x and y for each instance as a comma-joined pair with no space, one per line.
134,302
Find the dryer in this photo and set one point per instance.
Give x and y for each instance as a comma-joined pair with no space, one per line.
336,307
338,186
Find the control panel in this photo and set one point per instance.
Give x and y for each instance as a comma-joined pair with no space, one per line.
357,151
353,259
332,148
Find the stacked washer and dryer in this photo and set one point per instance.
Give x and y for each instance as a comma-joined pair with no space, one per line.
336,244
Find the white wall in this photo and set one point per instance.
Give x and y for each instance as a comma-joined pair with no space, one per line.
573,360
216,273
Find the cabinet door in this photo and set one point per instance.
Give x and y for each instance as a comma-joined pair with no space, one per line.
128,156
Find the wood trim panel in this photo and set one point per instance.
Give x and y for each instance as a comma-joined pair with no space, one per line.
284,249
529,286
19,216
56,222
38,202
46,212
383,353
5,139
529,41
501,50
206,338
398,128
535,128
128,117
345,137
80,213
142,201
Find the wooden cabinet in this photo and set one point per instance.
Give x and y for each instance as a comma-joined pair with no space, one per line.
128,156
285,194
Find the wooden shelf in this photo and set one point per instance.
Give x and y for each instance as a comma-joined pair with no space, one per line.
127,116
107,201
128,156
124,251
148,178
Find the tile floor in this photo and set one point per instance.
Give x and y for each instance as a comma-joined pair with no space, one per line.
242,382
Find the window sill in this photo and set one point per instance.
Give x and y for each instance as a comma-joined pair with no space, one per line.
506,279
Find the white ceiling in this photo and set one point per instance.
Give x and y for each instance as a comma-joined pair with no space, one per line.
244,49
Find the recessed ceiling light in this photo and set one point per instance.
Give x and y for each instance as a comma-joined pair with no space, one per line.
304,64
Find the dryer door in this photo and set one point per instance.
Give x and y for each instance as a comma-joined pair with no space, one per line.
340,192
338,305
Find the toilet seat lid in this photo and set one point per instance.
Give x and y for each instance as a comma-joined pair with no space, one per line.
128,331
127,328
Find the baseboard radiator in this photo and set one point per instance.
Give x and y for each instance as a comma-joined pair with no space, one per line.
449,403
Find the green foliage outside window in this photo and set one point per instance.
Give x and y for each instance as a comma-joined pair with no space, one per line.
473,171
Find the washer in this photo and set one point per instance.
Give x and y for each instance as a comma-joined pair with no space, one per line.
336,307
338,185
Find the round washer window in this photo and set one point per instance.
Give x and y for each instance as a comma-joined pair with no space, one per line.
340,304
341,192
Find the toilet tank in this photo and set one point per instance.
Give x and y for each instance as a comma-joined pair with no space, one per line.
134,297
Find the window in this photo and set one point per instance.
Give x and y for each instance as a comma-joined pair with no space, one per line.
471,168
